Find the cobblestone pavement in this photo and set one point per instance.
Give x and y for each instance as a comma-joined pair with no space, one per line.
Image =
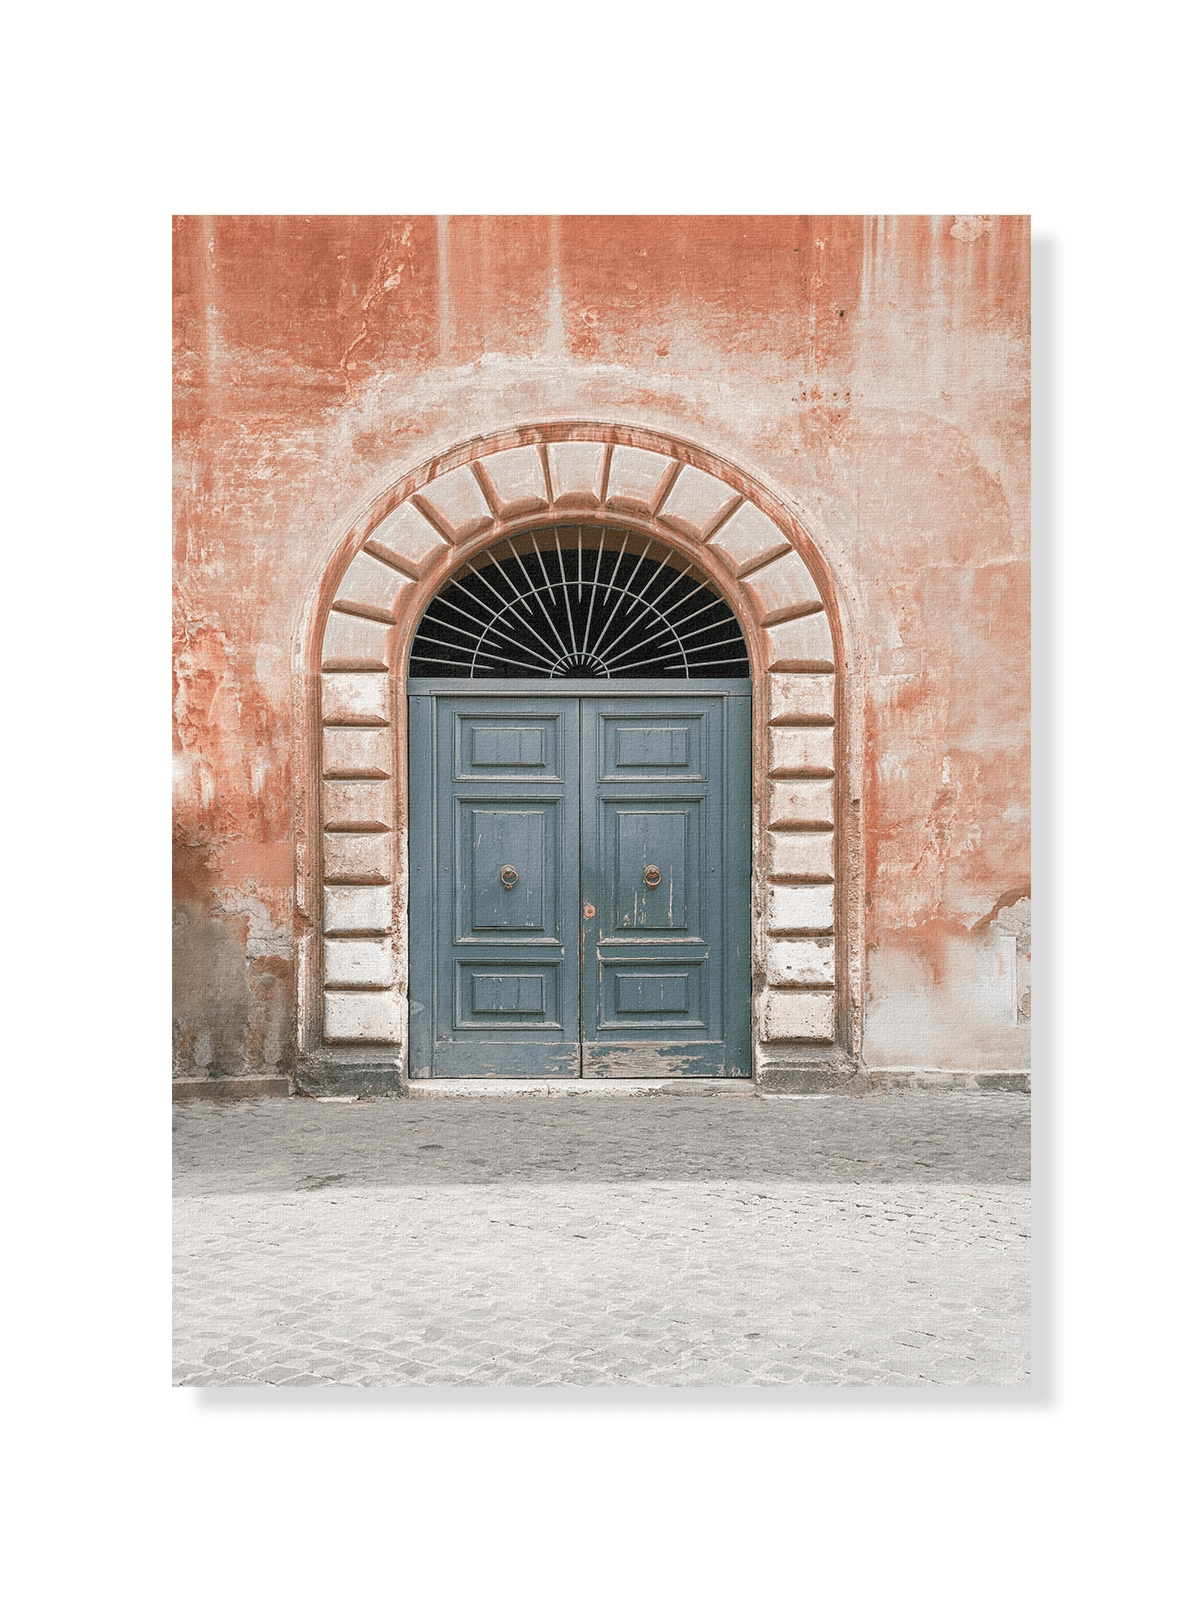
661,1241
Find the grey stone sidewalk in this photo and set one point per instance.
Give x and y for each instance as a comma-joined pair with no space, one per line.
663,1241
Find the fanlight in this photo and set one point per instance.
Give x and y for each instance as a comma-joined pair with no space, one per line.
579,602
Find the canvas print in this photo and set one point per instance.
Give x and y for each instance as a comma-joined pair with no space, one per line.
602,835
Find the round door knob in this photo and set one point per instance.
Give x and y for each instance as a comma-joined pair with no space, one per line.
508,876
652,876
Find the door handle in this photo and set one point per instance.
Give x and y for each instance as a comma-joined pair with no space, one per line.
651,877
508,876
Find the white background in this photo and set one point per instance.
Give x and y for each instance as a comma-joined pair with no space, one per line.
115,118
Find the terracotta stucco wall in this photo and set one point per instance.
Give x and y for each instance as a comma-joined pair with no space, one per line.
873,373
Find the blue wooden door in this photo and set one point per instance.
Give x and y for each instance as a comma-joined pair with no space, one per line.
580,881
664,860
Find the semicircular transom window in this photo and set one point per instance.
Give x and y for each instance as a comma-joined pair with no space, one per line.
579,602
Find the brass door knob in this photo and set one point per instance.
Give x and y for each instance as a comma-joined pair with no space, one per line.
652,877
508,876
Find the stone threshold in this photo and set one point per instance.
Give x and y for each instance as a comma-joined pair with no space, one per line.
454,1088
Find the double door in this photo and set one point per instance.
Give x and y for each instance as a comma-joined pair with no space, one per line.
580,900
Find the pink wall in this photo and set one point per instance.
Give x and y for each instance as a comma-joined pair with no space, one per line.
873,373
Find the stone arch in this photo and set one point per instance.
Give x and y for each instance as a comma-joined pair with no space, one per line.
352,879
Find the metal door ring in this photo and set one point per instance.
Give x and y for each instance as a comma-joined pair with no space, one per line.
508,876
652,876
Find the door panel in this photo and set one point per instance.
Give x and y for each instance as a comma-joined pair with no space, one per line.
495,842
507,995
662,747
503,746
660,978
656,842
650,996
527,805
502,788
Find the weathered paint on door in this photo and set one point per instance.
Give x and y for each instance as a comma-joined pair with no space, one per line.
580,872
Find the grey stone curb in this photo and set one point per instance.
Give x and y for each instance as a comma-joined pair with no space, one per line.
324,1081
821,1080
251,1087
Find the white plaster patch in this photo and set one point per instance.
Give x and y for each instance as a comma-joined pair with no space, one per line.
263,936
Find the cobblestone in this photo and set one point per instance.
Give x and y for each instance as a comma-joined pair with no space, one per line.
646,1243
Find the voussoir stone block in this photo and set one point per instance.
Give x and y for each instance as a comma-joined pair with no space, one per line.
799,1015
792,855
576,470
358,908
357,753
783,588
358,857
747,538
355,698
356,641
363,1015
796,696
366,804
697,503
803,645
800,908
410,538
517,480
636,479
359,961
371,582
803,750
800,961
457,504
799,801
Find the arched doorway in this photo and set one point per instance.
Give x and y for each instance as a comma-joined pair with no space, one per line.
580,815
698,512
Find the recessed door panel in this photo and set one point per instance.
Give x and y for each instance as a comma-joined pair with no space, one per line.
508,858
657,747
508,746
657,996
653,854
508,995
